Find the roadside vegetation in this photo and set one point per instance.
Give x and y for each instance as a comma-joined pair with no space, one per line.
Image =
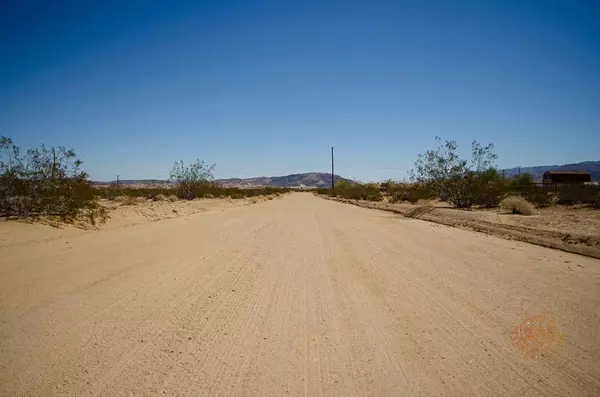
49,182
46,182
441,174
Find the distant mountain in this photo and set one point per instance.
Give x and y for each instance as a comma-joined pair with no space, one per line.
593,167
127,182
308,180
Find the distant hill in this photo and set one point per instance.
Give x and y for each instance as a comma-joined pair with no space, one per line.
593,167
308,180
128,182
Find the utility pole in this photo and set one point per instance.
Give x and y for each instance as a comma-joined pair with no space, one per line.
118,180
332,175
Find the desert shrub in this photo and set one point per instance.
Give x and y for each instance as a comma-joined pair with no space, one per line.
127,200
173,198
451,178
190,180
522,184
370,192
489,188
516,205
538,197
323,191
159,197
46,182
577,194
204,189
597,201
407,192
356,191
459,192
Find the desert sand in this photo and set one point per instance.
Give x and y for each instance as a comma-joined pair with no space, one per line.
295,296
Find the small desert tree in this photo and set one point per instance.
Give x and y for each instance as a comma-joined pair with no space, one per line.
449,177
45,181
189,179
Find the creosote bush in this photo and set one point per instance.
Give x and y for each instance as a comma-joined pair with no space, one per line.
453,180
356,191
46,182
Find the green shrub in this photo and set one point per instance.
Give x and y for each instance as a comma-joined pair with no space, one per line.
407,192
488,187
453,180
540,197
356,191
323,191
46,182
522,184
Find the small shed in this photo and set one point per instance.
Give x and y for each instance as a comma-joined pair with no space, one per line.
566,177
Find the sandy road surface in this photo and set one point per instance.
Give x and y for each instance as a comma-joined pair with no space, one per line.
297,296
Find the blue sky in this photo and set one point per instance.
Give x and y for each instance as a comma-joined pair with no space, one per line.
266,88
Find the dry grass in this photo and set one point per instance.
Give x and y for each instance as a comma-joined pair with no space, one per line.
160,197
516,205
126,200
173,198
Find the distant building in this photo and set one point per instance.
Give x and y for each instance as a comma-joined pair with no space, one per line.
566,177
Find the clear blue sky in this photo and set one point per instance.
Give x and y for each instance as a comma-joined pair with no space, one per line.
266,88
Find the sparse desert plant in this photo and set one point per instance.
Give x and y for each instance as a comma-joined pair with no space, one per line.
489,188
522,183
253,201
271,197
597,201
356,191
127,200
539,197
451,178
516,205
46,182
173,198
407,192
159,197
189,180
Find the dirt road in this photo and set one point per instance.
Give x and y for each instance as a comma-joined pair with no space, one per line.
297,296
